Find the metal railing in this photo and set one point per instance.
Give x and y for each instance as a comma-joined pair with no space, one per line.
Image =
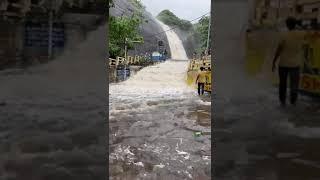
204,62
193,70
131,60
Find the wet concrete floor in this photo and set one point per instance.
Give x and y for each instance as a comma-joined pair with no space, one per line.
257,139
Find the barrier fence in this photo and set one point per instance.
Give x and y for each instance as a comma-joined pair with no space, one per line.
193,71
131,60
193,68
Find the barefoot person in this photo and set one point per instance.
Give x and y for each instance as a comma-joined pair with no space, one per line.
290,53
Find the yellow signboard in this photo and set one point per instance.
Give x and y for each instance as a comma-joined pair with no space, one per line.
191,79
310,83
261,49
207,86
193,71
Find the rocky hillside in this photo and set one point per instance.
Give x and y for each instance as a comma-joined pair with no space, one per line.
149,29
193,36
190,42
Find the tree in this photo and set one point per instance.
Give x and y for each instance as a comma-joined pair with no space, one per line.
121,28
171,19
201,32
111,3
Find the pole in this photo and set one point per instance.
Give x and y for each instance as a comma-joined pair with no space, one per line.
125,58
125,48
208,39
125,54
50,32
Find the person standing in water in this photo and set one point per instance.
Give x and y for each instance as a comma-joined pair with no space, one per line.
201,80
290,53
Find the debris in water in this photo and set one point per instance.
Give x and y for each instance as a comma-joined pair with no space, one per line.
182,152
187,156
189,175
205,157
139,164
160,166
127,151
198,134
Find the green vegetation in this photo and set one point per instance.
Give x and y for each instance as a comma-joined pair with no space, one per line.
171,19
201,33
121,28
138,4
111,4
139,9
196,33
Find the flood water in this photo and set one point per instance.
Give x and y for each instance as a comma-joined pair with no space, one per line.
152,119
255,138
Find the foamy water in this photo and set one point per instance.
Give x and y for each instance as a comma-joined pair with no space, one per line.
161,81
148,108
176,47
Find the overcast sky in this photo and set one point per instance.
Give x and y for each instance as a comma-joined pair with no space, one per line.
184,9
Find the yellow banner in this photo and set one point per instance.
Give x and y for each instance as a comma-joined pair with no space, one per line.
310,83
192,76
208,86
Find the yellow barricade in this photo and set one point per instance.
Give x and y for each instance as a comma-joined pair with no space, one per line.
136,59
193,71
120,61
130,60
112,62
207,86
310,83
260,51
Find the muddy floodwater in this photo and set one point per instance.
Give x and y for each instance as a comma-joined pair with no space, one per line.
153,117
152,120
254,137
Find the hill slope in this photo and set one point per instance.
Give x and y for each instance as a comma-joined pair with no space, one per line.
150,30
194,36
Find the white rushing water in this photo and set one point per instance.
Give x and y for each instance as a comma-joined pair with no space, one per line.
148,108
164,80
176,47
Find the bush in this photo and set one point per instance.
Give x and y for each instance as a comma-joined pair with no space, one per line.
121,28
171,19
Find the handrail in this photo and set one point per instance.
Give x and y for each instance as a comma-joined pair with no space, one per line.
204,61
123,61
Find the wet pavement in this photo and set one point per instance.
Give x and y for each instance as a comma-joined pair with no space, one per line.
253,137
257,139
152,120
52,116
